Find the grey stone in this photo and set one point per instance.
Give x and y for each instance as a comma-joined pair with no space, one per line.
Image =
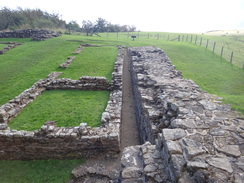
208,105
150,168
178,163
192,151
195,165
132,156
221,163
173,147
132,172
231,150
183,123
173,134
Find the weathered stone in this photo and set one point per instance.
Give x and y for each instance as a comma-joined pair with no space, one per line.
183,123
178,163
208,105
132,172
192,151
194,165
231,150
150,168
221,163
173,147
173,134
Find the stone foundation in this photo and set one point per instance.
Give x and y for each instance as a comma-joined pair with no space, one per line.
194,138
10,46
35,34
59,142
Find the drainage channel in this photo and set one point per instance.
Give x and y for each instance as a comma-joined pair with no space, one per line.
100,169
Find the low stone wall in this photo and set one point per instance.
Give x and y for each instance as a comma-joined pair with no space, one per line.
36,34
198,138
67,62
59,142
10,46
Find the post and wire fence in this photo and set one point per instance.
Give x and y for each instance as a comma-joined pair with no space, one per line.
222,50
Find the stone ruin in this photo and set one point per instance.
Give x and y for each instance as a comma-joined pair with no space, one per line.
35,34
187,135
10,46
64,143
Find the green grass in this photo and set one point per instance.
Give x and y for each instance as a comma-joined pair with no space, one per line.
67,107
93,61
2,46
22,66
39,171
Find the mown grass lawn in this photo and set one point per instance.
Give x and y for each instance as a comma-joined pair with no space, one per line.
22,66
39,171
68,108
93,61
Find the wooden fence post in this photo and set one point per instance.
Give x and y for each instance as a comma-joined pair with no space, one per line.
214,46
187,38
191,38
207,44
231,57
196,40
201,42
178,37
222,49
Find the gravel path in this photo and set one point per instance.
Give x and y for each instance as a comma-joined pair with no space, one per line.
100,169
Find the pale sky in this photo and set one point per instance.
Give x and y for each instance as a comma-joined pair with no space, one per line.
147,15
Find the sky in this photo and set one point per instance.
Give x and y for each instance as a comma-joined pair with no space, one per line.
187,16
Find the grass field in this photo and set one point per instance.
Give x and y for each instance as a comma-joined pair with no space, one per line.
2,46
94,61
39,171
67,107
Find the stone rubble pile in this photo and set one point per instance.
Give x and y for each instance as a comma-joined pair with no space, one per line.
35,34
198,138
9,47
59,142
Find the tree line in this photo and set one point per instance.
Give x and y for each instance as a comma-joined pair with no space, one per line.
38,19
28,18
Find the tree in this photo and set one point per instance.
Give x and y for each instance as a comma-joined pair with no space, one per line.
101,25
88,27
72,26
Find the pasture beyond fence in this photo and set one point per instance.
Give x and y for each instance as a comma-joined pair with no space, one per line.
222,49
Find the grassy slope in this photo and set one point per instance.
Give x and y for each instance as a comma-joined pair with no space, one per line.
26,64
67,107
40,171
